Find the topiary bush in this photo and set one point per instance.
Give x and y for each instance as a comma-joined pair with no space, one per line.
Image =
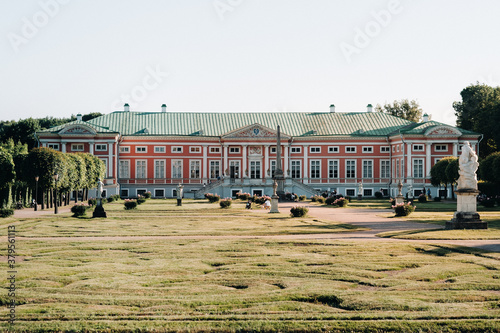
302,198
212,197
298,211
79,210
379,195
147,195
6,212
422,198
225,203
341,202
318,198
92,202
261,200
437,199
140,199
404,209
330,200
111,199
130,204
243,196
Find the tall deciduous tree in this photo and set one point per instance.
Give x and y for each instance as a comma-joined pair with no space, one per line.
409,110
479,111
441,175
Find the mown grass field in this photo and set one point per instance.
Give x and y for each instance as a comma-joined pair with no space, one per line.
201,283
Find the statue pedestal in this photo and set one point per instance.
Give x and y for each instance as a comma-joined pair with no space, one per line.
274,204
399,200
466,216
99,210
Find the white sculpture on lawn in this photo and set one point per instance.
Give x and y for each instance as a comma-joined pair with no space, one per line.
467,168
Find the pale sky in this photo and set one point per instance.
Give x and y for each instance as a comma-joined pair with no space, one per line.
63,57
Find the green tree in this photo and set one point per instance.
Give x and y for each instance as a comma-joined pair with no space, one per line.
7,177
479,111
439,175
409,110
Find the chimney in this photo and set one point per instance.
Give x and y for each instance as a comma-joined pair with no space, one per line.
79,117
126,107
332,108
369,108
164,108
426,117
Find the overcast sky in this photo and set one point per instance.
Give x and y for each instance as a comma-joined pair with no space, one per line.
63,57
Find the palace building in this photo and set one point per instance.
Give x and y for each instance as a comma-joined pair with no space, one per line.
226,153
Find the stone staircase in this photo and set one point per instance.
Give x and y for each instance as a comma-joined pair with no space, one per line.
305,188
200,194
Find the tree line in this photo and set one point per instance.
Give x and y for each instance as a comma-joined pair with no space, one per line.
75,172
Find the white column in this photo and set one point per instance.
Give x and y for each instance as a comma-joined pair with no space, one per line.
115,166
266,161
455,149
110,160
408,162
63,146
244,166
428,159
226,165
306,164
205,165
91,149
285,165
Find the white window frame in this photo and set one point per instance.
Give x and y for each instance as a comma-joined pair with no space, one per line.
159,189
311,169
160,149
121,169
214,150
333,163
176,149
333,149
293,173
214,165
350,189
139,149
350,149
234,150
174,165
122,194
315,149
273,150
397,148
54,146
352,176
367,149
421,166
363,169
137,169
105,161
368,195
441,145
197,168
385,149
417,147
388,167
125,149
164,169
295,150
257,172
195,149
99,147
76,147
142,190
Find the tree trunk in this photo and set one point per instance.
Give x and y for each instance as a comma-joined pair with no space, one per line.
43,200
51,198
452,193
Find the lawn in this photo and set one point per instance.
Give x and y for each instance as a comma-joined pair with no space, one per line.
72,283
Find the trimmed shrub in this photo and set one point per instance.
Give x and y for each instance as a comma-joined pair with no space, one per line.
318,198
330,200
302,198
404,209
341,202
79,210
261,200
140,199
298,211
212,197
147,195
379,195
437,199
130,204
422,198
6,212
111,199
243,196
225,203
92,202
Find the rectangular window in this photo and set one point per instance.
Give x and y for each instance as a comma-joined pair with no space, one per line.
316,169
350,149
385,169
124,169
368,192
402,168
124,149
393,149
397,148
367,150
254,169
195,149
105,161
315,150
367,169
54,146
273,150
441,147
234,150
418,168
350,192
333,149
418,147
397,169
214,150
234,169
141,149
296,150
273,167
333,169
194,169
78,147
159,193
296,167
177,169
350,169
214,169
140,169
159,149
124,193
176,149
160,169
101,147
385,149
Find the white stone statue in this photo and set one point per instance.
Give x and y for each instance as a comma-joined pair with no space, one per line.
100,188
467,168
360,188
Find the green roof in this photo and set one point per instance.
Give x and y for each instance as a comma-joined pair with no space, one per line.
217,124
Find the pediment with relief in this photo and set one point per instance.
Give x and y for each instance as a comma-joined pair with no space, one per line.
255,131
443,131
78,129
